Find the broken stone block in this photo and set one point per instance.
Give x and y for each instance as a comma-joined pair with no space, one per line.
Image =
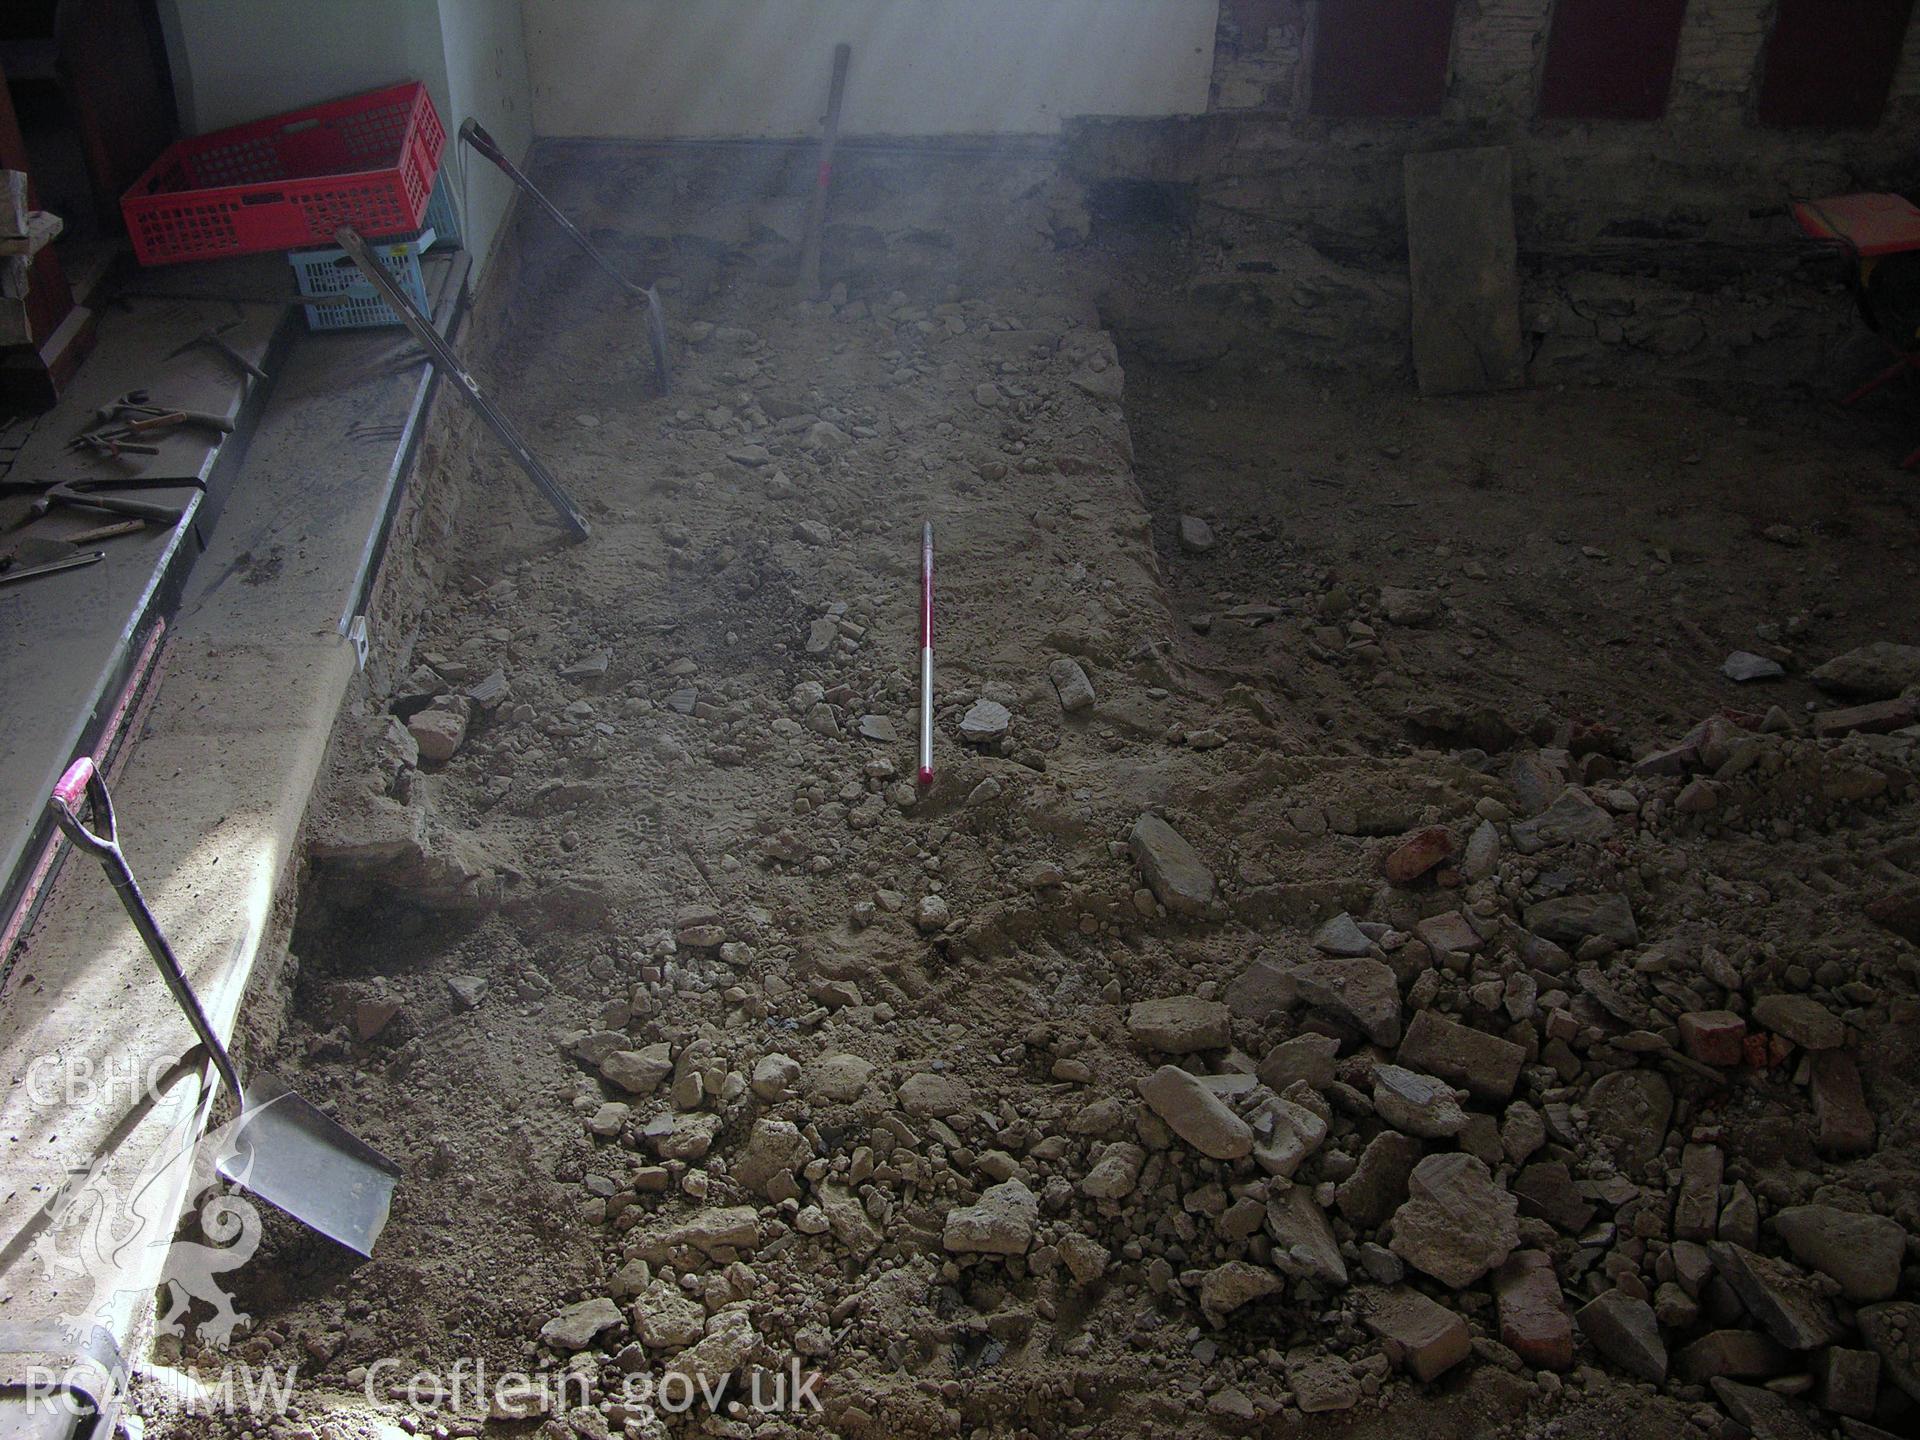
1259,992
1534,1322
665,1317
1569,919
1522,1131
1418,1334
1085,1259
1457,1224
1000,1224
1180,1025
1802,1019
985,722
1378,1185
1765,1415
1285,1134
1714,1037
1879,671
1696,1210
1362,993
1308,1058
1843,1123
1448,932
1744,1354
1483,1064
1744,667
932,1093
1899,911
1483,851
1196,1114
1225,1288
372,1016
638,1072
1342,936
491,692
1628,1111
1847,1382
1892,1328
1403,606
730,1339
775,1148
1416,1104
774,1076
1624,1330
1546,1192
1115,1173
1878,718
1321,1383
838,1078
681,1137
1195,535
1571,817
847,1220
1863,1252
1070,683
1740,1217
440,729
575,1327
1179,879
1417,854
1785,1302
1303,1241
1674,1308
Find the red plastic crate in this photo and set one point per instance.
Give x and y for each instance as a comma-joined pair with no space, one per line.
290,181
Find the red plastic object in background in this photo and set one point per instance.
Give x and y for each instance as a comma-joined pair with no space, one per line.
1868,224
291,181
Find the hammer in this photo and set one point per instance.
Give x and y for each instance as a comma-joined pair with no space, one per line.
73,492
135,403
211,337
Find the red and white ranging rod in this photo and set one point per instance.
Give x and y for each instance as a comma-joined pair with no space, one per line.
926,654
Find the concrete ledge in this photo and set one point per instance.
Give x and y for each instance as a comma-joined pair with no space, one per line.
210,806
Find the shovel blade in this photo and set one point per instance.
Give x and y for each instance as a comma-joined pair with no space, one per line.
657,340
300,1160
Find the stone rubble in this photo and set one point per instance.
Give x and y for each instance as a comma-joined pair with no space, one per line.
1291,1094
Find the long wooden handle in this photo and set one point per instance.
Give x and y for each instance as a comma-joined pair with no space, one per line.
823,177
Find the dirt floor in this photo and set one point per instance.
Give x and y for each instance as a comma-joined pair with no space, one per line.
710,1044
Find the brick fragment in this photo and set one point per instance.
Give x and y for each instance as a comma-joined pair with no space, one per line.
1534,1322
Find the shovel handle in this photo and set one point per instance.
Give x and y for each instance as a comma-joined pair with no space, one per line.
83,781
80,783
475,135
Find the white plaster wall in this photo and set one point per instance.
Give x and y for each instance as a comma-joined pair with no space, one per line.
239,60
486,64
654,69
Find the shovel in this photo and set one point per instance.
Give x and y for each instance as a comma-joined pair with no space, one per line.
475,135
284,1150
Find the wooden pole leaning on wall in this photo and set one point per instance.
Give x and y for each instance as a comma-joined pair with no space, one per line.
823,177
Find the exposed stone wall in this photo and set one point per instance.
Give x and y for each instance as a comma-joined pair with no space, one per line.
1658,246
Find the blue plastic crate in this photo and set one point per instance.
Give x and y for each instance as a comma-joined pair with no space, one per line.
331,272
443,218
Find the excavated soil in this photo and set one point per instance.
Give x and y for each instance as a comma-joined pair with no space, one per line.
678,840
